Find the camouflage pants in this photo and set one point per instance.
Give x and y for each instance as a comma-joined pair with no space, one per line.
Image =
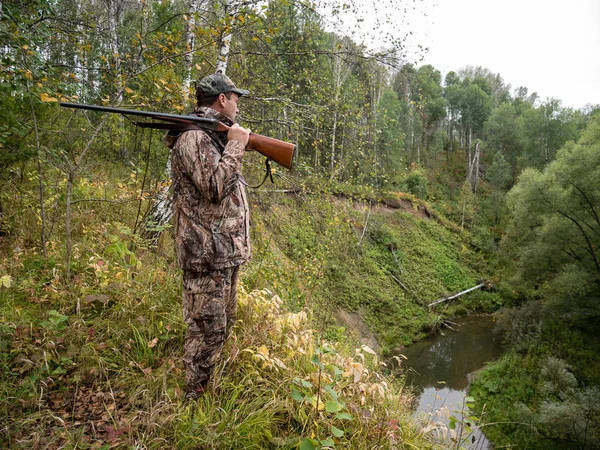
209,310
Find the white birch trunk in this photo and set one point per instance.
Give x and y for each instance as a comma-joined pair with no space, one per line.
190,41
473,168
161,212
452,297
332,163
225,42
113,22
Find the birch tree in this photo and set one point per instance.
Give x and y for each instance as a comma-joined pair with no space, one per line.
340,69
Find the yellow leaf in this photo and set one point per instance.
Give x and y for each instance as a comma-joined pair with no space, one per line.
128,90
46,98
368,349
6,281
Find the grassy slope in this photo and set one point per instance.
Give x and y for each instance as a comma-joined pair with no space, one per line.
341,253
95,361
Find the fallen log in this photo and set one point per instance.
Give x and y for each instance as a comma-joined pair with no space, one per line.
452,297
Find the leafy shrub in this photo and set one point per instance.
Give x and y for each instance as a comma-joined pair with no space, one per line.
417,183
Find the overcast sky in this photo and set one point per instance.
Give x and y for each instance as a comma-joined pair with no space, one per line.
551,47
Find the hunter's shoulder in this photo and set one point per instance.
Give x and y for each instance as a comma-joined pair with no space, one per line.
193,139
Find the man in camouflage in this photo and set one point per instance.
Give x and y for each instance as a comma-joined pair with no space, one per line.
211,226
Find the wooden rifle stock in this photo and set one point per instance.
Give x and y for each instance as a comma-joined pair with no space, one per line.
279,151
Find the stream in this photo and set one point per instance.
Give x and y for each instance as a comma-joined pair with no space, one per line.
439,368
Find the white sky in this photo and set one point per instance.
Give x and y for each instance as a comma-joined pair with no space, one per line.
551,47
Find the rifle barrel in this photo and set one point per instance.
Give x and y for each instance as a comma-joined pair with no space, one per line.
279,151
133,112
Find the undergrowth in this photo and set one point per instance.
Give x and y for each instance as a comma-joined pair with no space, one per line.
104,371
94,361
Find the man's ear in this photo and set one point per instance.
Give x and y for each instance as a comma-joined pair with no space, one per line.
221,100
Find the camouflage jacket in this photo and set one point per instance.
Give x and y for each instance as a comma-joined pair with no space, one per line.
210,205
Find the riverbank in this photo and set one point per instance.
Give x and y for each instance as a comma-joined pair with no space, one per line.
543,393
375,256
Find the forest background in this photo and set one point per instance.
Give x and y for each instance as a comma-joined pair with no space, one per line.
406,187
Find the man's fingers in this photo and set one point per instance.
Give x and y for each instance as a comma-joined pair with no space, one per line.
237,133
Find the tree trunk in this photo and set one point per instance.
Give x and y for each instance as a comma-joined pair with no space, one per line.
3,232
190,41
225,42
69,237
40,176
113,13
340,73
162,209
332,163
473,167
443,299
161,212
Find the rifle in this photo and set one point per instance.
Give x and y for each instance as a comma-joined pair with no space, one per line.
279,151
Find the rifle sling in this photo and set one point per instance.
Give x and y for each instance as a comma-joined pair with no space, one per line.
268,174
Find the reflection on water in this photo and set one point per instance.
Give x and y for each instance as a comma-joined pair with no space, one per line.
440,365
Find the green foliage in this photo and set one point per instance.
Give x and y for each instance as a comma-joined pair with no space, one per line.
545,130
55,320
416,183
499,174
555,226
502,132
391,138
522,393
553,236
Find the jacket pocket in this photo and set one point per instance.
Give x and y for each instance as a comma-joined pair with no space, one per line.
228,241
193,244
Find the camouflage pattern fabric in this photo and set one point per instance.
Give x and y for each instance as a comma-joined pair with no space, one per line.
211,238
209,310
212,218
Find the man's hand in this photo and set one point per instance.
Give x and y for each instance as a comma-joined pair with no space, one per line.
237,133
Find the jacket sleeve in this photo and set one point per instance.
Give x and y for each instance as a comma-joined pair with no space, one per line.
214,175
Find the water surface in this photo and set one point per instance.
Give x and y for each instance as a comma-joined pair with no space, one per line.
439,367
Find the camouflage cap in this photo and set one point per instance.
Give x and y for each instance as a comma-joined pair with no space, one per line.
216,84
